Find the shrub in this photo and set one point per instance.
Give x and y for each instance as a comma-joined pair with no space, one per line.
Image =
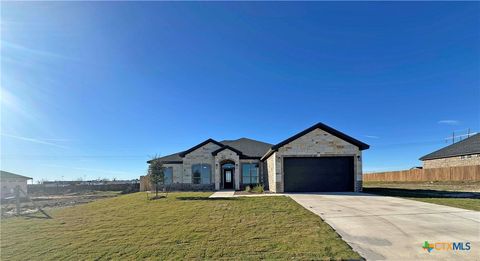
248,188
258,189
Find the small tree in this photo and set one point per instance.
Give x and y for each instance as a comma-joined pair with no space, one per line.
156,174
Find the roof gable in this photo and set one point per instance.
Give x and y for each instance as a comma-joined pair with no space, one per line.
467,146
334,132
328,129
182,154
226,147
250,148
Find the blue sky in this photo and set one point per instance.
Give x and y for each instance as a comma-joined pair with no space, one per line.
92,90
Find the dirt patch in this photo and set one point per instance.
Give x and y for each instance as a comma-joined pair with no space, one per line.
54,201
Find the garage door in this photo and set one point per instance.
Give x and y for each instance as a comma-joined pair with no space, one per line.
321,174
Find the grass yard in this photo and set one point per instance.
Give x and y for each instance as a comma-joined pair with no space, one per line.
454,194
465,203
183,226
457,186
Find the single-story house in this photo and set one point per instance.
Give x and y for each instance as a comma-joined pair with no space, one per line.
9,181
462,153
319,158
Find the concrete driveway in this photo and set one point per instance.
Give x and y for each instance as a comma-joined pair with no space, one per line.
381,227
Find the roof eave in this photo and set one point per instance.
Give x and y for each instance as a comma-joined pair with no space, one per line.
426,157
225,147
326,128
267,155
210,140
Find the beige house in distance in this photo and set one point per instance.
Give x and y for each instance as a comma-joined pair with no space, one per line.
9,181
462,153
317,159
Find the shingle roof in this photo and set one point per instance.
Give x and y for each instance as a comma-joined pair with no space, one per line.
172,158
249,149
467,146
9,175
214,153
183,153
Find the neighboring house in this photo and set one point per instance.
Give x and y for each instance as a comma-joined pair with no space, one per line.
8,182
462,153
319,158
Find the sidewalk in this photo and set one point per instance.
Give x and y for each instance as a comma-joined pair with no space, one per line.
231,194
223,194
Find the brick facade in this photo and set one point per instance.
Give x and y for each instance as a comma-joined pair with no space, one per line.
457,161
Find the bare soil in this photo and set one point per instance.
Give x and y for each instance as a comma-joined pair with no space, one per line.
54,201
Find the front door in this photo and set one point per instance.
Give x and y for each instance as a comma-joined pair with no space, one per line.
228,179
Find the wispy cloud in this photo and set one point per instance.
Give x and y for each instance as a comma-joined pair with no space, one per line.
32,51
47,142
372,136
449,122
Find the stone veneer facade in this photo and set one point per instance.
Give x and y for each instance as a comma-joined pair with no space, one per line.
456,161
221,157
201,155
317,143
182,172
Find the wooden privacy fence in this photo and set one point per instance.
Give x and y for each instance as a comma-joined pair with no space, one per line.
463,173
145,183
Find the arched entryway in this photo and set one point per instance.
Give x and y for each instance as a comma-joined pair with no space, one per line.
227,174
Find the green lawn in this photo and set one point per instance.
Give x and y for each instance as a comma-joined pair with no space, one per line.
444,186
184,226
465,203
458,199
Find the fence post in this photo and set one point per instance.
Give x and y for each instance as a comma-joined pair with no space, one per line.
17,199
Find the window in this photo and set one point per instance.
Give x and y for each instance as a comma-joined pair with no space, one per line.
201,173
228,166
250,173
168,175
